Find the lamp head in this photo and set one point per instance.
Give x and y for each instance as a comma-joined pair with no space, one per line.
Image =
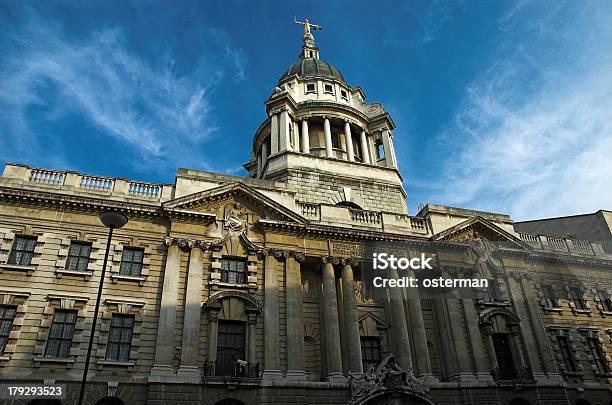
112,219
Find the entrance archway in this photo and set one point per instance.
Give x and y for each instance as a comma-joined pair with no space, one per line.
110,401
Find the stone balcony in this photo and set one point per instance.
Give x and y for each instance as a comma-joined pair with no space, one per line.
69,182
563,245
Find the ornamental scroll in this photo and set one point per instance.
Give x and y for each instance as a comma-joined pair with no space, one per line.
346,249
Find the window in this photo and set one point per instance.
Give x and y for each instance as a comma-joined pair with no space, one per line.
131,262
495,292
233,271
78,256
311,88
380,151
566,353
576,297
598,356
7,316
335,137
60,334
549,297
120,337
23,250
231,347
328,88
344,94
503,354
606,302
370,352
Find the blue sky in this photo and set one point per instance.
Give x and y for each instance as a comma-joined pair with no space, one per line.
501,106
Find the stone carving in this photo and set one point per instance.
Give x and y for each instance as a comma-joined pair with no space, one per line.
309,289
388,377
362,293
235,217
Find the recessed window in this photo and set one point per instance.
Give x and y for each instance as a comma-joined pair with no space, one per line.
311,88
605,300
370,352
233,271
335,137
7,316
344,94
120,338
549,297
231,347
566,353
60,334
131,261
23,250
577,298
78,256
328,88
380,150
598,356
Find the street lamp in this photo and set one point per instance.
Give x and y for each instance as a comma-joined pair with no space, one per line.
112,220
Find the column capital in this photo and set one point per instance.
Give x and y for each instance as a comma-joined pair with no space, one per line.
330,259
186,244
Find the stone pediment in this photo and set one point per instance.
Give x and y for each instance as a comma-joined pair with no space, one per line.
478,228
233,203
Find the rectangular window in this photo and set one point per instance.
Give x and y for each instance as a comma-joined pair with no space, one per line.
606,302
566,353
344,94
335,137
7,316
233,271
120,338
311,88
23,250
598,356
328,88
78,256
370,352
131,261
576,297
549,297
60,334
231,347
503,354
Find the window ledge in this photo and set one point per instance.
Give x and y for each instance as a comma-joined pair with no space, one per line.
115,363
582,311
4,357
606,313
553,309
135,279
603,375
85,274
53,360
27,269
576,374
224,284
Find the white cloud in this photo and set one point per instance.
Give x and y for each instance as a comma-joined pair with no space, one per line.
160,115
533,136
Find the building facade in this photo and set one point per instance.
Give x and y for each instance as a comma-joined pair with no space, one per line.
226,290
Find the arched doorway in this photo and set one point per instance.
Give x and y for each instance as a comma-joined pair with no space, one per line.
45,402
110,401
229,401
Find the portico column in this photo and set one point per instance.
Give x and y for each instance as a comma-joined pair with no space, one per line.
365,153
418,328
274,134
349,141
353,340
271,319
295,325
331,326
328,141
400,329
191,322
166,328
305,137
284,132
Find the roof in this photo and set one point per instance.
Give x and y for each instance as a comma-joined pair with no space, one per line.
311,67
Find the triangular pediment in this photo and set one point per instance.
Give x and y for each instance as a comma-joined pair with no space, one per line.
478,227
219,200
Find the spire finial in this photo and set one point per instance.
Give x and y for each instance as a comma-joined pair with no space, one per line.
309,50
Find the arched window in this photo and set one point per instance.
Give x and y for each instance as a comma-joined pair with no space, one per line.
380,150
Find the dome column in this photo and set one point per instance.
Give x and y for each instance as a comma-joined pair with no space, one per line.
388,146
349,141
284,132
365,152
264,156
259,166
328,140
305,137
274,134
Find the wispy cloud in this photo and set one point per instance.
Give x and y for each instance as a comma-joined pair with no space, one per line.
155,112
534,134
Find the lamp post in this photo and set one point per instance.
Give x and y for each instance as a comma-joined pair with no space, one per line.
112,220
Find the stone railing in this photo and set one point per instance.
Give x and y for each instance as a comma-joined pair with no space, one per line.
366,217
312,211
556,244
417,223
74,182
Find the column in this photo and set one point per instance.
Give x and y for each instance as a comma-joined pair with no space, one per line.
305,137
400,329
213,330
191,322
274,134
418,328
349,141
295,326
491,347
166,329
365,151
252,336
258,166
480,357
329,152
389,158
331,326
264,155
271,319
284,132
296,136
353,340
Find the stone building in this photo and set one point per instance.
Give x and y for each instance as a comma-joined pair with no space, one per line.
252,290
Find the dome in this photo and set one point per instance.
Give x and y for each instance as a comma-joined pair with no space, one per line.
311,67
